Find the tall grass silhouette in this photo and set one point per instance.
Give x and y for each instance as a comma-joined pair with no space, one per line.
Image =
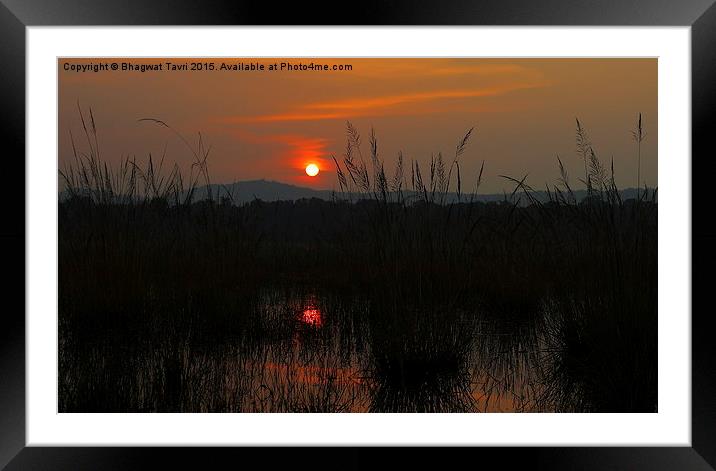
421,297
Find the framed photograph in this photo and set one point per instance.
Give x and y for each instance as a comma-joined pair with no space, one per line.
469,227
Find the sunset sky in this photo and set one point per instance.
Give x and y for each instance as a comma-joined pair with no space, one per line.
271,124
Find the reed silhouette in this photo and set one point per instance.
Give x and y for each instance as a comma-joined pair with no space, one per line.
392,297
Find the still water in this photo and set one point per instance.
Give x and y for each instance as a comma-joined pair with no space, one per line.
312,351
326,362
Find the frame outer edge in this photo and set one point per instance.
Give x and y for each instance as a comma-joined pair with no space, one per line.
12,345
367,12
703,102
12,237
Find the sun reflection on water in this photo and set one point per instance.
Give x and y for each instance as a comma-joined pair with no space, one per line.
312,316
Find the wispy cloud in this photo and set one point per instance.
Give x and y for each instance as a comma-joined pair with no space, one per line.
381,105
394,100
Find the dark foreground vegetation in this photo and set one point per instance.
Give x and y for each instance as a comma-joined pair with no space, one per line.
386,304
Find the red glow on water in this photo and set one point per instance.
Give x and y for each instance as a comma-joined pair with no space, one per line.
312,316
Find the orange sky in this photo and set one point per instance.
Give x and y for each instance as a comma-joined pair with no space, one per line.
270,124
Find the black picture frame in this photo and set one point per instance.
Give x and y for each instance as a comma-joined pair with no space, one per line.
16,15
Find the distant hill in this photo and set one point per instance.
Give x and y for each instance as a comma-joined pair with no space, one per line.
267,190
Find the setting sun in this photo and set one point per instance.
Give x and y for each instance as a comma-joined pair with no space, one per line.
311,170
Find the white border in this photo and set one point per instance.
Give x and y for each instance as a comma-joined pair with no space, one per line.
671,426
